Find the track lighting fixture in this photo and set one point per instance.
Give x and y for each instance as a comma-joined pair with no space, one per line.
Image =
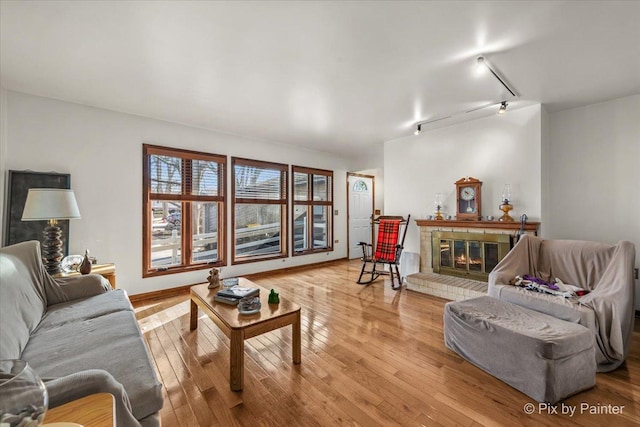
428,122
482,66
482,63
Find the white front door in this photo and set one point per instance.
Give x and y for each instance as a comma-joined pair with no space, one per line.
360,210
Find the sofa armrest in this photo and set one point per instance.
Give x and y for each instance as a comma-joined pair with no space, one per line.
75,386
612,300
83,286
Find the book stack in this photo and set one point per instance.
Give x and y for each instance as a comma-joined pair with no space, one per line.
234,294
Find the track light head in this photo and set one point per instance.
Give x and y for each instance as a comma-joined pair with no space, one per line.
418,129
503,108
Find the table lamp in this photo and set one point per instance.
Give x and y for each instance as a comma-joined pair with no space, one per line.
438,203
505,206
51,205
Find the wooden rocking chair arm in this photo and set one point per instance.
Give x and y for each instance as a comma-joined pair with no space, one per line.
367,250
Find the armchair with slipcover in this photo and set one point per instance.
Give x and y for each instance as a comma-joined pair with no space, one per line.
605,270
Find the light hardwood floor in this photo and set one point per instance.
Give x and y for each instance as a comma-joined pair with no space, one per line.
370,356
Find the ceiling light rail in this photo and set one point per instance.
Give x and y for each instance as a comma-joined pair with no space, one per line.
482,62
426,122
481,65
501,110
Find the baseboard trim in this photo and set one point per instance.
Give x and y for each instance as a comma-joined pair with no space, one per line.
172,292
164,293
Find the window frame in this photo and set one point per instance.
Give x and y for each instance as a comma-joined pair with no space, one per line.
283,202
186,199
310,172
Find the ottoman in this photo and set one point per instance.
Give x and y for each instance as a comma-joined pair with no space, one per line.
545,358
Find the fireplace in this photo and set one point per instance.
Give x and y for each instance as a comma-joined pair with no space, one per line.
489,241
469,255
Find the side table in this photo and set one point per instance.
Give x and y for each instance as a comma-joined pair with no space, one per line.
95,410
108,271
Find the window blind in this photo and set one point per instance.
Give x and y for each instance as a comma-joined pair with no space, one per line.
300,186
259,183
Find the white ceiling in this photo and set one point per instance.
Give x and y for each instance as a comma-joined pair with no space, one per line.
333,76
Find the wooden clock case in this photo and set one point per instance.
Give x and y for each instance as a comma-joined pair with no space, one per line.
462,206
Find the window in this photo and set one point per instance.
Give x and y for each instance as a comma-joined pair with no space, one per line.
259,210
312,210
183,210
360,185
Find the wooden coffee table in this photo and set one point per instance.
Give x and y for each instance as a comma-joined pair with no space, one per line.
238,327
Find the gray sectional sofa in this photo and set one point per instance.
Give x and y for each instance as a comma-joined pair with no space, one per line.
78,334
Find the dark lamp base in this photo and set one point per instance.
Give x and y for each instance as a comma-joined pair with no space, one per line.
52,249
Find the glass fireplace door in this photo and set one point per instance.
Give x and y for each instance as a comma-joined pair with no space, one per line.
471,255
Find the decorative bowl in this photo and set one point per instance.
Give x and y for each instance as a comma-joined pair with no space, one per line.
249,305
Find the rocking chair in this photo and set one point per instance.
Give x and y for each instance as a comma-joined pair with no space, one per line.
387,251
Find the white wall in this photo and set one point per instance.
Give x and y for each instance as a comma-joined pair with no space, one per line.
546,175
497,150
372,158
102,150
594,154
3,156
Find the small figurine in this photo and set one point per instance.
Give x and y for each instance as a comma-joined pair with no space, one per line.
274,298
213,278
85,266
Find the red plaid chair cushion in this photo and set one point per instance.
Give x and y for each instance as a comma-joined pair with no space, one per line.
387,240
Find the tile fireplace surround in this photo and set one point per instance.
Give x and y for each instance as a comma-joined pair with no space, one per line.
449,287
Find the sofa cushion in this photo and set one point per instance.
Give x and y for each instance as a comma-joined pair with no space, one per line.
21,306
111,342
568,309
84,309
545,336
542,356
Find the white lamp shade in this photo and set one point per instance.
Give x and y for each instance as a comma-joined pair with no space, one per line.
50,203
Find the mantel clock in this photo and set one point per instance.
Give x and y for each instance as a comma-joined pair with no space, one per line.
468,199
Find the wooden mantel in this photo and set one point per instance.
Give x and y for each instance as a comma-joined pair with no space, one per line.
498,225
